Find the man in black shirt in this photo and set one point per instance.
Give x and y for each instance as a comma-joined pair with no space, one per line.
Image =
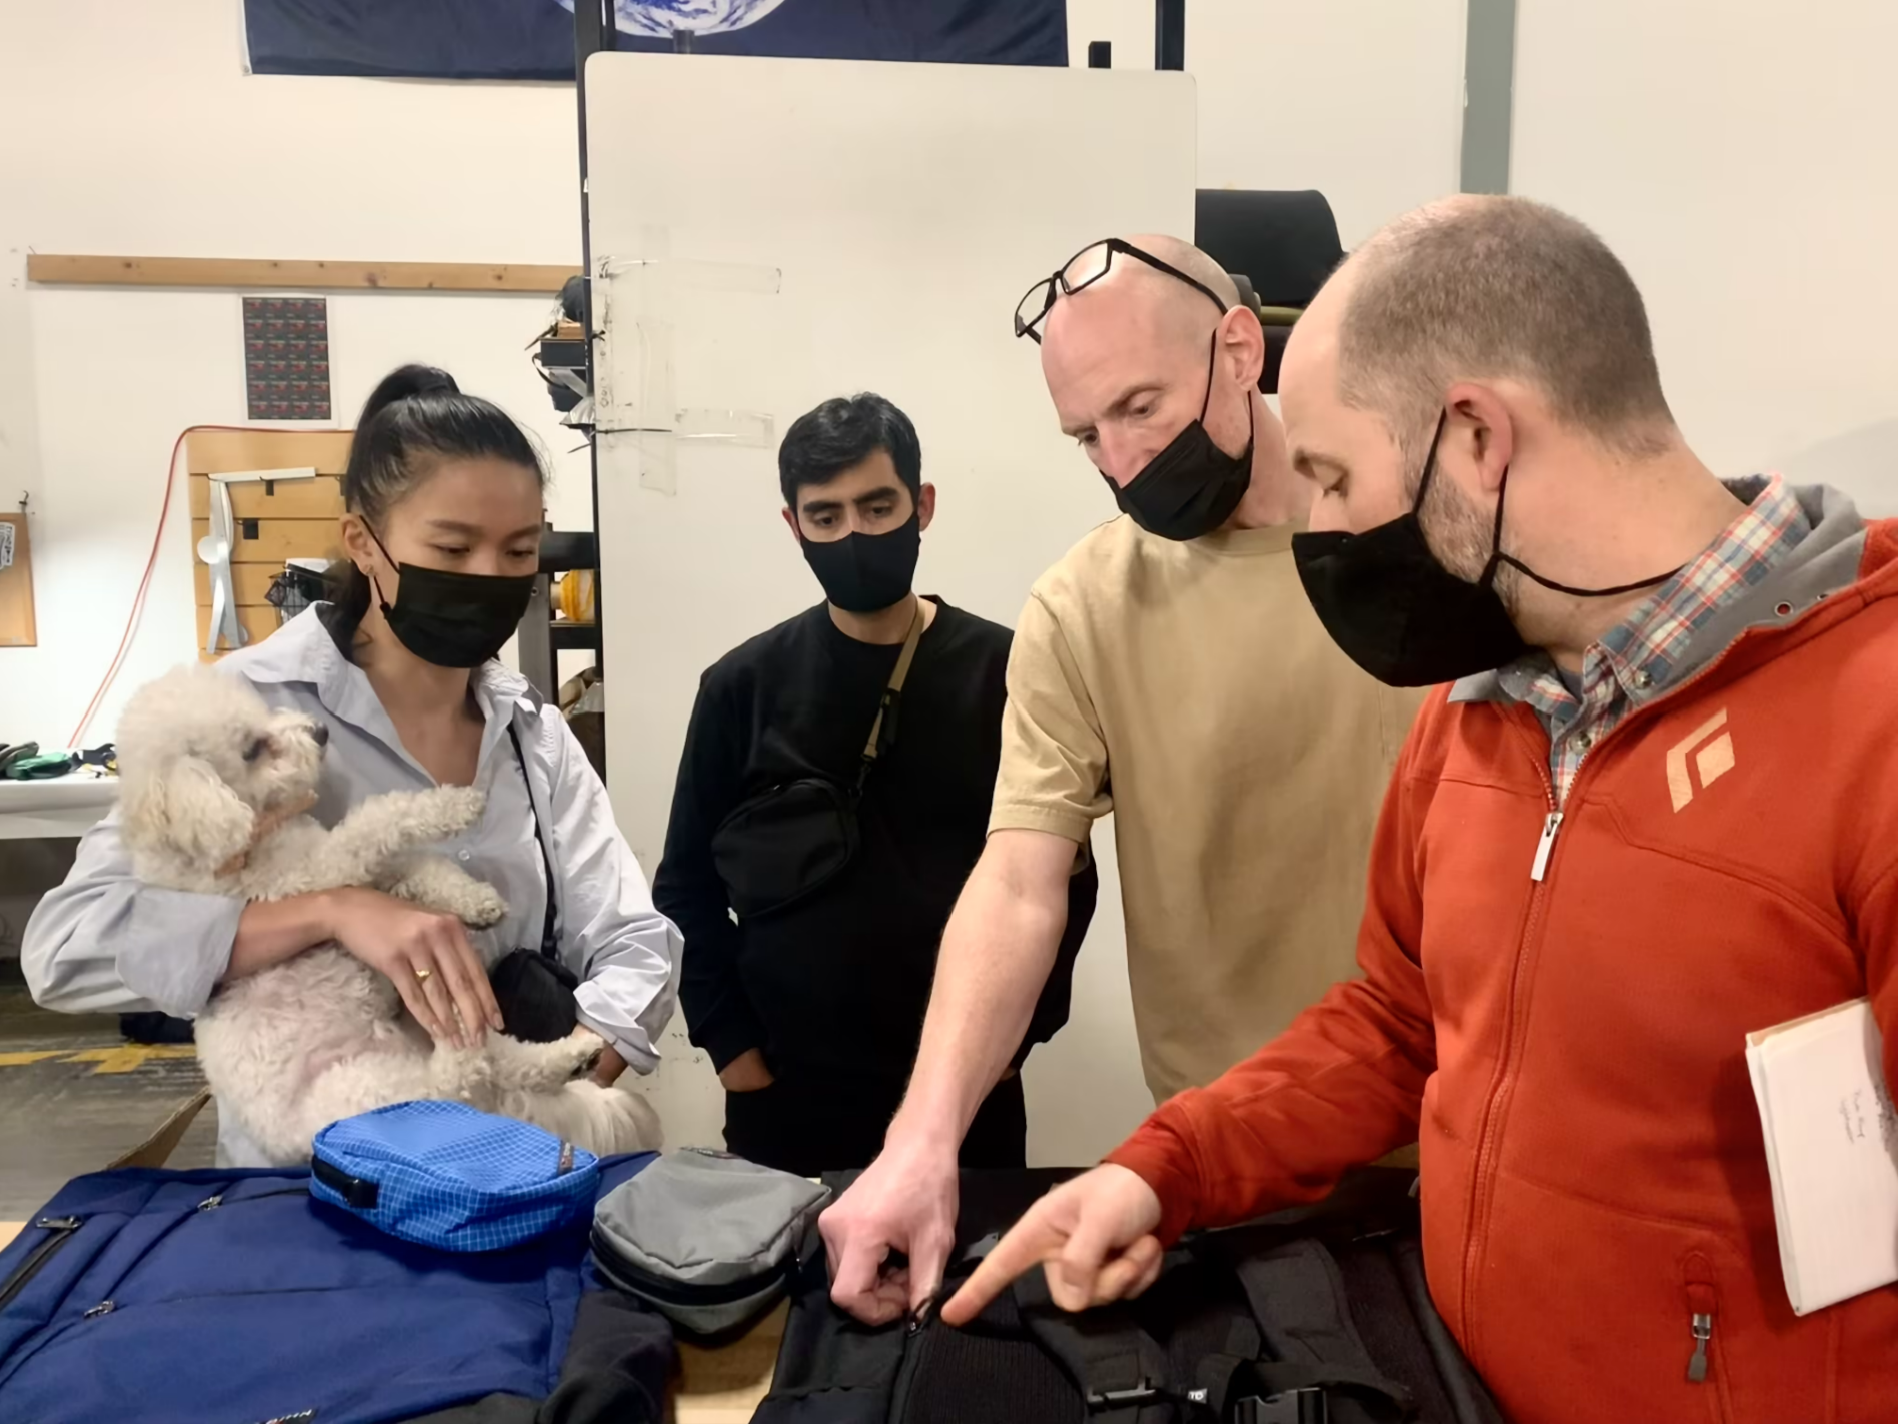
811,1011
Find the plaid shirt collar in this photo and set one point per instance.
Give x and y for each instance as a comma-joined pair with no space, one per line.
1643,651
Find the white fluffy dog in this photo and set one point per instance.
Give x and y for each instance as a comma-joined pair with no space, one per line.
215,790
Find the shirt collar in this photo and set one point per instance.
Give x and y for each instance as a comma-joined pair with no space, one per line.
302,651
1643,651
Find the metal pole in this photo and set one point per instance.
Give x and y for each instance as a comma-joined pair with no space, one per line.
1169,34
1489,79
593,31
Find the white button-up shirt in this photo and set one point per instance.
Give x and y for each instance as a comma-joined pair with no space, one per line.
105,943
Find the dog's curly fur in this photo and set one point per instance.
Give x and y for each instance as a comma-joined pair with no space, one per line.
215,789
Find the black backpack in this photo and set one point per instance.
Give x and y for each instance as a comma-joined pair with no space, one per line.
1314,1316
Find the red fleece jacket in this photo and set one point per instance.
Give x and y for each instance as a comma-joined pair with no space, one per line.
1570,1053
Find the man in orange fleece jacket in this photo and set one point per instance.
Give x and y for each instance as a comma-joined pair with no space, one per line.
1658,809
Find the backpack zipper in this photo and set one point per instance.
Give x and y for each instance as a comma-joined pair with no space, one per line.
905,1381
62,1228
207,1204
212,1203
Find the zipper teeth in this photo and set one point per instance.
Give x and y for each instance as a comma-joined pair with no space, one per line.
1478,1220
905,1382
1500,1091
62,1228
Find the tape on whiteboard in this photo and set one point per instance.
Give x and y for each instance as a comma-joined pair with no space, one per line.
6,546
660,276
637,303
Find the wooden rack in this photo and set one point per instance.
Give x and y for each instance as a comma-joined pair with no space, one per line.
293,520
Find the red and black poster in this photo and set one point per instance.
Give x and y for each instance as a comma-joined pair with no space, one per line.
287,358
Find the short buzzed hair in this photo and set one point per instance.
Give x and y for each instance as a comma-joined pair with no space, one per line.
1189,259
842,433
1473,288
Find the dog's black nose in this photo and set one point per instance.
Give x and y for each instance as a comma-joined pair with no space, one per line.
321,733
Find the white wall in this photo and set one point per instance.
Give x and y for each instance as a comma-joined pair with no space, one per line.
1742,164
146,138
1361,99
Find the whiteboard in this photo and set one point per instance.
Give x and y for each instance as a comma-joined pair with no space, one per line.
1739,157
835,227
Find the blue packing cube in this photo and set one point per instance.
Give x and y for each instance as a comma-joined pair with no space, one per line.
442,1174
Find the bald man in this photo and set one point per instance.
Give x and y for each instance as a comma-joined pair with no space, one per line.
1171,670
1657,811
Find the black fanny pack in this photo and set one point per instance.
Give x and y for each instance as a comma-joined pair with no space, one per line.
534,989
785,844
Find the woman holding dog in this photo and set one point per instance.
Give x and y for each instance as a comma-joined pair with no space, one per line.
443,494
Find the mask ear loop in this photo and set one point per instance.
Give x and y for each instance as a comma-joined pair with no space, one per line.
1498,558
1212,363
1252,421
374,583
1430,471
1496,555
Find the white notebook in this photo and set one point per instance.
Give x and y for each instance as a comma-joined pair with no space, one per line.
1832,1150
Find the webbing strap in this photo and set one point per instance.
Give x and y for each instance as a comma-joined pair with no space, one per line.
892,690
1120,1369
1297,1297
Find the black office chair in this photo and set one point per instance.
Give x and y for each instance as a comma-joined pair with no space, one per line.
1279,247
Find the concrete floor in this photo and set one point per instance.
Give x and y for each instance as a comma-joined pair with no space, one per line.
74,1095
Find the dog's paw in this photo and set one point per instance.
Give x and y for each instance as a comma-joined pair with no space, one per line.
622,1120
451,810
439,884
479,905
539,1067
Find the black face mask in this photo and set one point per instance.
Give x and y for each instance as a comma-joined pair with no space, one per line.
1191,487
1402,616
453,620
862,573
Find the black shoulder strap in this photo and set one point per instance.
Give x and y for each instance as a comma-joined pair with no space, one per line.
1120,1369
1469,1399
1298,1300
549,941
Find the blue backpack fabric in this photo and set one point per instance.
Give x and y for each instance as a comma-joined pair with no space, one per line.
443,1174
235,1297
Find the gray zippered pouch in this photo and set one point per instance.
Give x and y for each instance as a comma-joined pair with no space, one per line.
706,1238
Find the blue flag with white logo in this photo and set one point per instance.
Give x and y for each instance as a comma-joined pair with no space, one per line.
533,39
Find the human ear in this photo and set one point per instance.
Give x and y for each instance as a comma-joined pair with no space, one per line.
1480,434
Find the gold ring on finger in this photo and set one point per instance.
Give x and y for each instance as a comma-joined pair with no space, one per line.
422,974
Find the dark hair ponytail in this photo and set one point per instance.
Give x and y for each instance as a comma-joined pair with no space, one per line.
415,417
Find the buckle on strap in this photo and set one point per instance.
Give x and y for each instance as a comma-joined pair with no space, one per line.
1293,1406
1104,1399
1146,1392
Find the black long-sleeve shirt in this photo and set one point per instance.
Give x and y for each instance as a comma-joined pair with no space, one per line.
839,982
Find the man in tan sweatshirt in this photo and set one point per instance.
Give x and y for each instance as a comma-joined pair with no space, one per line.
1169,669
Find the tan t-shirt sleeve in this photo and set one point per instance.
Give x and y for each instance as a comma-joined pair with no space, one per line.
1054,758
